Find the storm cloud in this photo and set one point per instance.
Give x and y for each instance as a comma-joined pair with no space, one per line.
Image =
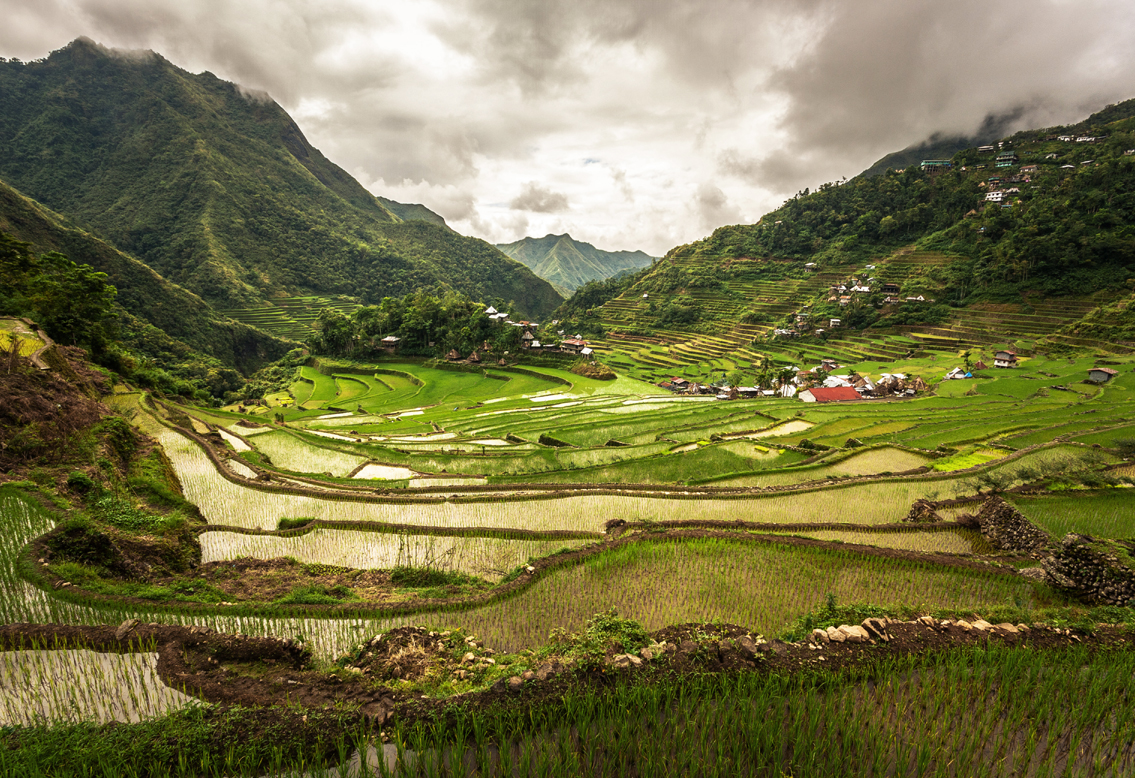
656,120
537,199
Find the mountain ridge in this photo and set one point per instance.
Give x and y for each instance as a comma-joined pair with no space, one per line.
220,191
568,263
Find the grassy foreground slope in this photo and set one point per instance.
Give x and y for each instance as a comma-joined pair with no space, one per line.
218,190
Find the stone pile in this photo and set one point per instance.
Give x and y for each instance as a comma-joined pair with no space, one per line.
922,512
1097,571
1006,528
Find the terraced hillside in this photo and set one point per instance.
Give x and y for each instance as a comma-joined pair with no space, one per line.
1007,248
291,317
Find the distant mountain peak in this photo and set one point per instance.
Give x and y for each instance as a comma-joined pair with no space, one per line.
567,263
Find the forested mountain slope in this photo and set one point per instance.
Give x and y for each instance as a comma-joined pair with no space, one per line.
218,190
568,264
149,298
1052,219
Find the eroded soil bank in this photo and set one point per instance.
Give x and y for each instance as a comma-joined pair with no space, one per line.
279,675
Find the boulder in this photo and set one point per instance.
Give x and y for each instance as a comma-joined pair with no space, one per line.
747,647
515,683
855,633
820,637
125,628
876,628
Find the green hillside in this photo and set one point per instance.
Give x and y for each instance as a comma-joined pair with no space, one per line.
1021,271
218,190
568,264
168,309
412,212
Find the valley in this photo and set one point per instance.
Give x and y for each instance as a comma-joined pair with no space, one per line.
295,479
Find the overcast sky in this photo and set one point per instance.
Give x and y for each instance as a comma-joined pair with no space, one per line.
628,123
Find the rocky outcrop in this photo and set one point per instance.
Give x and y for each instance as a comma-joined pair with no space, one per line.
1006,528
922,512
1097,571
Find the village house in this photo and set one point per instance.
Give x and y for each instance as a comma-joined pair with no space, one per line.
994,197
890,288
572,345
1006,159
829,394
1029,168
389,344
526,340
984,149
979,365
1101,375
845,299
833,323
1005,359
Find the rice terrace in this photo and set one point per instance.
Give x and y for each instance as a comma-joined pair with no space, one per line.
845,491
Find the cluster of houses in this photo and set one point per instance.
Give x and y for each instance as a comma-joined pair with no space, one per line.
819,385
529,342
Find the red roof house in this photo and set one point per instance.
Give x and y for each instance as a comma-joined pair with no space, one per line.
833,394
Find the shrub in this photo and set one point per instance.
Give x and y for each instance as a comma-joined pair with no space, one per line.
80,482
422,577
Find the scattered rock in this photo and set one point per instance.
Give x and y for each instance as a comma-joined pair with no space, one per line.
623,661
747,647
125,628
515,683
820,637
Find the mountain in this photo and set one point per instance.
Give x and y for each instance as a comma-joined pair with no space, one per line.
217,189
161,317
568,264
